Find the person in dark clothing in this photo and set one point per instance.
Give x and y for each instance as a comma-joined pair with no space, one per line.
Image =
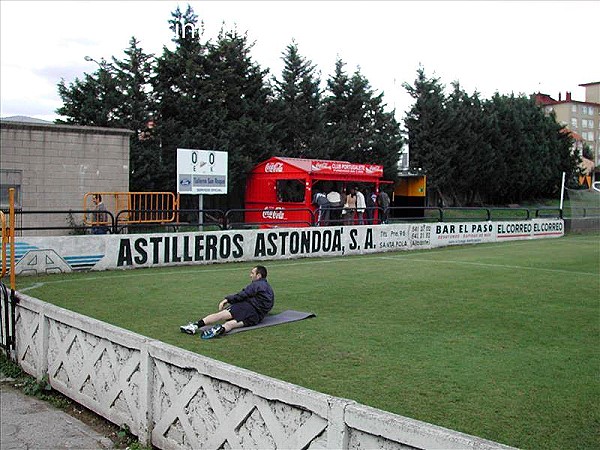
370,201
99,216
244,309
383,201
320,199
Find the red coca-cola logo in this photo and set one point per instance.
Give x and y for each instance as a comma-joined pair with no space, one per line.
276,213
275,167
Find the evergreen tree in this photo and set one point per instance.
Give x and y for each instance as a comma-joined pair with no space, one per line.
94,100
504,150
474,160
429,124
298,121
133,74
181,96
244,107
336,131
117,95
212,96
357,127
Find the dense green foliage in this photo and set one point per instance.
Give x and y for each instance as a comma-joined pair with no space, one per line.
497,151
495,340
210,94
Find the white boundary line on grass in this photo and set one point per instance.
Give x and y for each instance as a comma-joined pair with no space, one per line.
404,255
164,273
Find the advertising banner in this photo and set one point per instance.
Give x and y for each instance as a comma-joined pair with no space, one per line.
54,254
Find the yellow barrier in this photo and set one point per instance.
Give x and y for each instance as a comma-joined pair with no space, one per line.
139,207
4,242
8,237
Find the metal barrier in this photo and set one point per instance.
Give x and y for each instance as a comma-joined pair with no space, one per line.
233,222
5,239
585,212
397,214
137,207
540,212
122,221
194,218
110,224
7,298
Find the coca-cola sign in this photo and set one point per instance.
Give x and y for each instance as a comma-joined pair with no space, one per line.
273,213
274,167
320,165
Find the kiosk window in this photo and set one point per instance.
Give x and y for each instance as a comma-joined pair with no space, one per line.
290,190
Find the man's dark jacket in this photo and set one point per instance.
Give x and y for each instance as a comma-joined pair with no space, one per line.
258,293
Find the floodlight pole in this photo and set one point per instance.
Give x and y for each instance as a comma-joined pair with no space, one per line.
562,192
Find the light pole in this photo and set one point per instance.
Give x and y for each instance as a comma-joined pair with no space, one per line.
102,64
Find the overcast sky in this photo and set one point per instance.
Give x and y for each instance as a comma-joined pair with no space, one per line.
506,47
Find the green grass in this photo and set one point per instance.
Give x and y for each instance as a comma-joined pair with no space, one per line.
500,341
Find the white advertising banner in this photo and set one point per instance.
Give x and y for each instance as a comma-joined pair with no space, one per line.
102,252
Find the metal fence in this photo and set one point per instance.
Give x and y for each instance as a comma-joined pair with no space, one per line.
173,220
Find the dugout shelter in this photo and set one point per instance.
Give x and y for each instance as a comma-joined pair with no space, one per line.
279,191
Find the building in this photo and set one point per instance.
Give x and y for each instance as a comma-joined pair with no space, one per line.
51,167
582,117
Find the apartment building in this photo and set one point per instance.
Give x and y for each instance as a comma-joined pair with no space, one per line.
582,117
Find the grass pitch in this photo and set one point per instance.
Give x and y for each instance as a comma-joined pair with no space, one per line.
500,341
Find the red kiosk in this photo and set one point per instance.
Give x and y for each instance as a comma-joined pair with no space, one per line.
279,191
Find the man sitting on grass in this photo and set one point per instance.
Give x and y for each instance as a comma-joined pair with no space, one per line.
244,309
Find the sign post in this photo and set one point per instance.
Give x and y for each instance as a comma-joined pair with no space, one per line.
201,172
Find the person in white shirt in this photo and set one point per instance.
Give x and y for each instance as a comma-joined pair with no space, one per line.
360,205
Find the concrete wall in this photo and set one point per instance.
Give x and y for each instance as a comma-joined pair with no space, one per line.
177,399
59,164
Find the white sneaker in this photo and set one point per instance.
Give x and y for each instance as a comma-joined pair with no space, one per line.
190,328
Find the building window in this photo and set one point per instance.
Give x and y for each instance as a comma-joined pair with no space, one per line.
588,135
574,122
10,179
586,123
574,108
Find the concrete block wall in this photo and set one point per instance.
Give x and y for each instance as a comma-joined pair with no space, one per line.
176,399
60,163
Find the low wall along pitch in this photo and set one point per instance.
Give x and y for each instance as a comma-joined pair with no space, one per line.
55,254
176,399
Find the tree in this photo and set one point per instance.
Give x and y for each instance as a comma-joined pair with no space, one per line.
503,150
182,100
357,128
212,96
133,75
429,124
118,94
94,100
298,121
242,103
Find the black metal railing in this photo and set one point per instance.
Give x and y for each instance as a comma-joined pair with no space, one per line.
216,219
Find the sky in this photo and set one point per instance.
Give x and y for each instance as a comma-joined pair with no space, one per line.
507,47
